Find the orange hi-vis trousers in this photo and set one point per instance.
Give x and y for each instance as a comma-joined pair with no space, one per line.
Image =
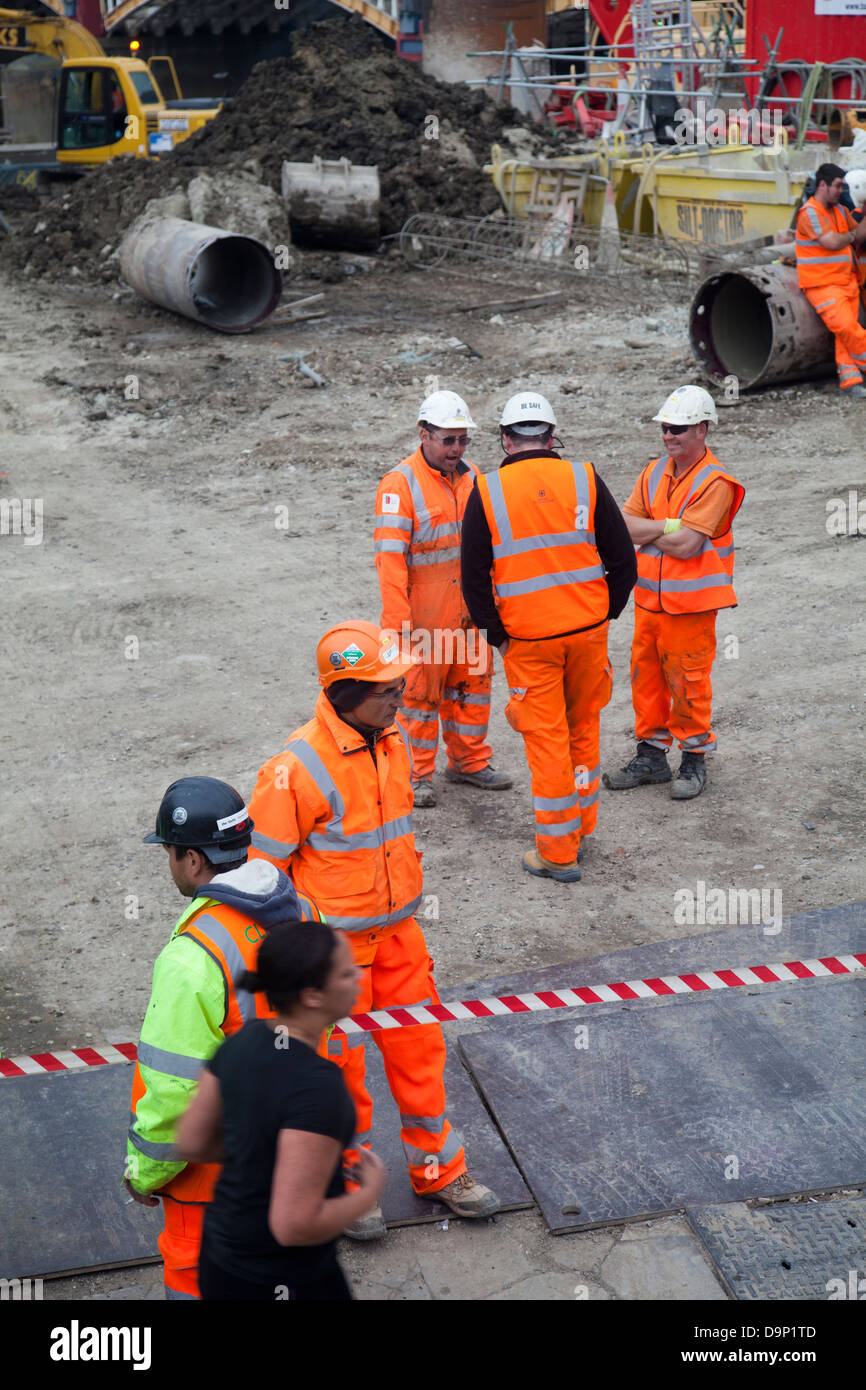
396,970
557,688
838,306
180,1244
671,662
459,696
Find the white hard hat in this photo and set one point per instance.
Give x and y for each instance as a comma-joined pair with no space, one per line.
688,405
856,181
447,411
529,410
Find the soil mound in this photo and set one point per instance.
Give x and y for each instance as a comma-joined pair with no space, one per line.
341,93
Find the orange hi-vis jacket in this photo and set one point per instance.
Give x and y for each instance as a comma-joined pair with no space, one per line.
816,266
191,1012
548,578
417,544
340,823
705,582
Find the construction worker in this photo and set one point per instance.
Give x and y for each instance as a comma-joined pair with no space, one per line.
827,272
419,511
335,810
195,1003
547,561
679,517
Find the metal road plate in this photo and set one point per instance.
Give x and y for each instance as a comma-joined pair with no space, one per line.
814,1250
693,1099
63,1146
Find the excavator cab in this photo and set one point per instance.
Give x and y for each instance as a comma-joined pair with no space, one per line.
92,108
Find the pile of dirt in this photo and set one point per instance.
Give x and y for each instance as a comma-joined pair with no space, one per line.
341,93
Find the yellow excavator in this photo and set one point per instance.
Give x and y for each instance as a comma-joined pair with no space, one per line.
67,106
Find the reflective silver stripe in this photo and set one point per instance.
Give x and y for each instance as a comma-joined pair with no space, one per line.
696,740
277,848
649,549
451,692
335,1047
434,1123
420,716
554,803
646,584
825,303
424,531
655,477
325,783
827,260
723,550
553,540
170,1063
421,1157
390,547
163,1153
359,1139
698,479
551,581
588,799
423,742
177,1294
406,744
356,1039
590,776
709,581
334,840
382,919
563,828
396,523
500,513
812,215
222,938
434,557
450,726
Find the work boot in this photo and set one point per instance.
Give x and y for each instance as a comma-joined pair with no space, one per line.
369,1227
650,764
858,391
424,793
465,1197
487,777
691,777
533,863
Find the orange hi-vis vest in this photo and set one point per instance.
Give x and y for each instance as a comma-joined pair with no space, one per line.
548,578
339,822
666,584
231,939
417,544
816,266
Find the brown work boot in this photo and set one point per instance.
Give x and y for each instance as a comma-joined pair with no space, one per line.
536,864
371,1226
486,777
424,793
465,1197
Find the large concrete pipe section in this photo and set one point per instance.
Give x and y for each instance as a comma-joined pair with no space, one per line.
220,278
757,325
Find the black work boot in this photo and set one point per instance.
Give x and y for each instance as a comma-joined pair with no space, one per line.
691,777
650,764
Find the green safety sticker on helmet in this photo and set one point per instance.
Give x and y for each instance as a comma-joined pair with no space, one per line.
352,654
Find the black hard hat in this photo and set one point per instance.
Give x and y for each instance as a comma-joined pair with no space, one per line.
202,813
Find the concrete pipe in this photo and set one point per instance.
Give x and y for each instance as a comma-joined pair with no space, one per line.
220,278
757,325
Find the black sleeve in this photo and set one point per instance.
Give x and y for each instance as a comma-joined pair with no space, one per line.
319,1107
476,564
616,548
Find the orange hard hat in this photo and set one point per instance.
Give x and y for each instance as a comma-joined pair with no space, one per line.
360,651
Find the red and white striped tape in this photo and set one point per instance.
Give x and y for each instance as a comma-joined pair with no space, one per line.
694,983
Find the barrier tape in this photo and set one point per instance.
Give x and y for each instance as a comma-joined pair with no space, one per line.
696,982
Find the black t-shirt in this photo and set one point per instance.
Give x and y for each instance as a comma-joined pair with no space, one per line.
270,1082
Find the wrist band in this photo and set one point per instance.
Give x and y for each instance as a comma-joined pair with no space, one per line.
672,524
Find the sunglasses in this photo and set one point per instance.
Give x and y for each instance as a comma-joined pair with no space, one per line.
675,429
449,439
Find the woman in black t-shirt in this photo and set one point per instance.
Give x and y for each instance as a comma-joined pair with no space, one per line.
278,1117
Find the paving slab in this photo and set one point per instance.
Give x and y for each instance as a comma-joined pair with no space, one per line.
63,1145
814,1250
686,1099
